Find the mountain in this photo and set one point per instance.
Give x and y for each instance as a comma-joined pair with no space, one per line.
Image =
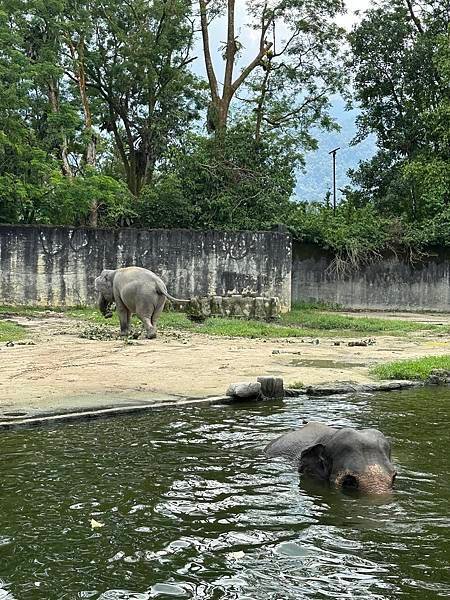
317,178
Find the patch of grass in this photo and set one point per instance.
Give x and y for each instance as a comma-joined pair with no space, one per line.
296,385
418,368
305,320
26,311
315,319
316,305
11,332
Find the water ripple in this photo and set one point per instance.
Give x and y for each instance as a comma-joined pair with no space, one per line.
191,509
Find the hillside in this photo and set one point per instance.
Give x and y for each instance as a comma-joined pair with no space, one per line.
313,183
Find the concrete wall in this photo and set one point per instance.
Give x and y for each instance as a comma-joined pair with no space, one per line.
388,284
56,266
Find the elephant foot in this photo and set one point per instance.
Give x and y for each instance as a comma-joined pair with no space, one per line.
150,335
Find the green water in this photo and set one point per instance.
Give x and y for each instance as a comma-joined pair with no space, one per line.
191,509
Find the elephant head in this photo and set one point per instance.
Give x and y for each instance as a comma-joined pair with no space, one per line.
347,458
103,285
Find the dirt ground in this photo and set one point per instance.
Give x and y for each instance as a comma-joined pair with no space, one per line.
65,372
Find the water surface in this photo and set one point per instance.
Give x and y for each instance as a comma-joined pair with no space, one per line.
191,509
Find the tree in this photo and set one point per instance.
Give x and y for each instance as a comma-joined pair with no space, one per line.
137,69
236,188
400,50
286,79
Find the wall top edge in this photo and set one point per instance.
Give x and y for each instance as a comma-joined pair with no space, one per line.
18,226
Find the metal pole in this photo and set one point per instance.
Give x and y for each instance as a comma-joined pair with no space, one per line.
333,152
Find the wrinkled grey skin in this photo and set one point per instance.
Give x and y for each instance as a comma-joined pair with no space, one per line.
347,458
135,291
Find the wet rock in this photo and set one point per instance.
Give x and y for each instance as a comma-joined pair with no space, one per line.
244,389
271,387
294,392
438,377
329,389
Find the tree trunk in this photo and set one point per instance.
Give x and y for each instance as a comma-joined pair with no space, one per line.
90,154
220,104
53,97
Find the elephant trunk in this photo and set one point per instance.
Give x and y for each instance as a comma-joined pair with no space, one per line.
104,306
374,480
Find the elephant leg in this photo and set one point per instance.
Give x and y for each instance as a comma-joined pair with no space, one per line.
150,330
149,314
156,313
124,317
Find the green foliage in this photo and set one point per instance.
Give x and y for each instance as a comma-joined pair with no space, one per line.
69,200
400,57
354,235
236,183
419,368
164,204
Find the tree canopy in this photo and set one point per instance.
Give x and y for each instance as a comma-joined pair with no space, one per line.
104,122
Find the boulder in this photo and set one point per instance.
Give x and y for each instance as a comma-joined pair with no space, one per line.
438,377
245,389
272,387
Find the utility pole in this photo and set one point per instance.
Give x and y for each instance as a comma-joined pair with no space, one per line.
333,152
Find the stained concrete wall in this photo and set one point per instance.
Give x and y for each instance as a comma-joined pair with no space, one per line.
52,266
392,283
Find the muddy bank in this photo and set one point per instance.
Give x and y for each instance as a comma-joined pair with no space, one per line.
63,372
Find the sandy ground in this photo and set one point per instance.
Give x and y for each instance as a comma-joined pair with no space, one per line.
64,372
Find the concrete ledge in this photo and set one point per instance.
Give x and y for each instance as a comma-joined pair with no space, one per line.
323,390
331,389
50,418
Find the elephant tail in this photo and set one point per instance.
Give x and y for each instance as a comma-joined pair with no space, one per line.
164,292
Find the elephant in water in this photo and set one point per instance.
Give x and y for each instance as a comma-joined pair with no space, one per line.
347,458
135,291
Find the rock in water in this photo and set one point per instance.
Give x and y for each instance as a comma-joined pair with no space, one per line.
244,390
272,387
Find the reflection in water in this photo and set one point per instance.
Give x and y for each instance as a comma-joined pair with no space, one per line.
192,509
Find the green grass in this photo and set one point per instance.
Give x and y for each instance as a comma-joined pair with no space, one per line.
318,319
304,320
11,332
419,368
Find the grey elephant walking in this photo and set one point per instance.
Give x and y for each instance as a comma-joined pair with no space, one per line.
135,291
347,458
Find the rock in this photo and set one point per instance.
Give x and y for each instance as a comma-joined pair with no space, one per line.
294,393
362,343
276,351
271,387
194,310
216,306
438,377
244,390
259,311
329,389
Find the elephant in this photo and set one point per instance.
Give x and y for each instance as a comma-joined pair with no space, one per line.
347,458
134,290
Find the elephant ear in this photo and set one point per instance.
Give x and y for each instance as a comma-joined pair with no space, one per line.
290,445
315,461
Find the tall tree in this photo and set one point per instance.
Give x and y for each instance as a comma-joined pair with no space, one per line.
294,67
400,83
137,67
